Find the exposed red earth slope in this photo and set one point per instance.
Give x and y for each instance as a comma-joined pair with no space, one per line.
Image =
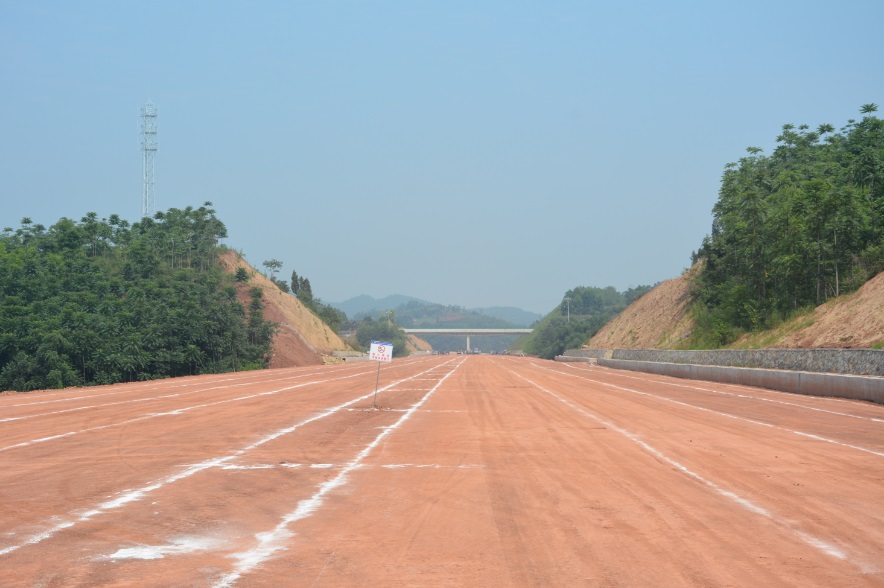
302,338
418,345
661,319
855,320
658,320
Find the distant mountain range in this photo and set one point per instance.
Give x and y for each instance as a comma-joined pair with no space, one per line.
405,307
511,314
364,305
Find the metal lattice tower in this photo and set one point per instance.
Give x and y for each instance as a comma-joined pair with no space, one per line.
149,149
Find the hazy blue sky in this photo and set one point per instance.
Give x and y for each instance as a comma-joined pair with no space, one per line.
466,152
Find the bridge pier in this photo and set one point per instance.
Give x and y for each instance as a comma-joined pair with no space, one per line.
469,349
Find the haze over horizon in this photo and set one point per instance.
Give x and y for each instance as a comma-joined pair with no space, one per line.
471,154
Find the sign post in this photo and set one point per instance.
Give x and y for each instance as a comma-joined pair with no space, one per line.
379,351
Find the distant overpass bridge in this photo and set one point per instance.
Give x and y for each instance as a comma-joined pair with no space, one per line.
468,332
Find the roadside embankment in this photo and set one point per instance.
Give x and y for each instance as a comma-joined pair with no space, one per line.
844,373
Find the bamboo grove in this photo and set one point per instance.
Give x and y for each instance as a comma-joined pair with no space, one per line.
103,301
794,228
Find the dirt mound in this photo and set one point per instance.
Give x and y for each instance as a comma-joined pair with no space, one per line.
658,320
849,321
302,338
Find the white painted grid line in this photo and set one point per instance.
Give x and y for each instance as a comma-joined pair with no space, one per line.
749,396
272,541
175,412
723,414
271,466
135,495
814,542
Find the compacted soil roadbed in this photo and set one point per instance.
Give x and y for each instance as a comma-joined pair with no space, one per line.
471,471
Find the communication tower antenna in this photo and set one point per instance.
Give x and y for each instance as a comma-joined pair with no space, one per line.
149,149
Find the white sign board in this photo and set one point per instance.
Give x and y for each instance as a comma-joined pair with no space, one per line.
381,351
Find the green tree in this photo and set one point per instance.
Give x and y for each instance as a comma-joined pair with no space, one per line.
102,301
590,309
273,266
331,316
794,228
384,329
305,292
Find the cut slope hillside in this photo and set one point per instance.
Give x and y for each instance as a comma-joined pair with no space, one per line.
301,338
418,345
661,319
658,320
855,320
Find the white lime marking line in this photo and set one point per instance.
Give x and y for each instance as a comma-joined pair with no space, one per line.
396,409
138,494
326,466
135,400
42,414
274,540
433,466
724,414
176,412
814,542
752,397
177,394
134,387
178,546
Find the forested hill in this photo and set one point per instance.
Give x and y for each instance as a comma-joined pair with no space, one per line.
793,232
413,312
794,228
103,301
417,314
302,336
582,312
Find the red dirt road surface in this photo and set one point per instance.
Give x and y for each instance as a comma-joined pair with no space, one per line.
474,471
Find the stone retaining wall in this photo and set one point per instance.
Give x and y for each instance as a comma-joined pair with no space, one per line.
799,382
831,361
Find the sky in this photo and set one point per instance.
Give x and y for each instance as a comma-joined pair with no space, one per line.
474,153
